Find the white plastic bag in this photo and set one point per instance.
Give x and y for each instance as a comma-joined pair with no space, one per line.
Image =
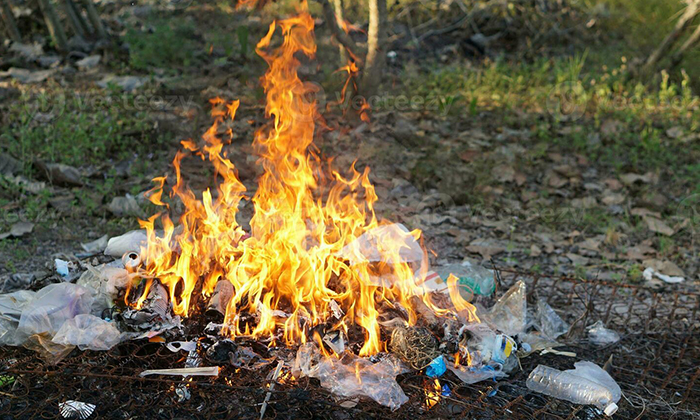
51,307
352,376
11,306
88,332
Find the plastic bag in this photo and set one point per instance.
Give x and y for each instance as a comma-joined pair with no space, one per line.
51,307
601,336
88,332
105,281
509,312
472,375
548,321
352,376
11,306
371,245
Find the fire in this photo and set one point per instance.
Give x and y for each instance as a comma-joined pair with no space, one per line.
287,273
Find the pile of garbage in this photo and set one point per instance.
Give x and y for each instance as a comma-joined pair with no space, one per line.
88,310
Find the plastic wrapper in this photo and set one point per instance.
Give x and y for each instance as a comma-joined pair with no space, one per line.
472,375
51,307
549,322
88,332
601,336
352,376
11,306
105,281
46,348
509,312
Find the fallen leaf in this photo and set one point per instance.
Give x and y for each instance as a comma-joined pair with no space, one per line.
59,174
503,173
611,199
657,226
577,259
535,251
485,247
125,206
584,203
555,181
18,229
641,212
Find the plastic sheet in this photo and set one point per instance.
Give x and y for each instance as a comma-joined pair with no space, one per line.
88,332
472,375
549,322
352,376
11,306
509,312
51,307
601,336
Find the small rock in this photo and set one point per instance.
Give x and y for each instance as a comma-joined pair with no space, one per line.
88,62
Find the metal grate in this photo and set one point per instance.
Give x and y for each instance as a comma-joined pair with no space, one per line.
657,364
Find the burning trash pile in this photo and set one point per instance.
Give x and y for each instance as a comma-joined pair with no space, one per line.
316,285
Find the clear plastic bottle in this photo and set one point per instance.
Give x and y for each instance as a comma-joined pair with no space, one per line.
573,388
473,279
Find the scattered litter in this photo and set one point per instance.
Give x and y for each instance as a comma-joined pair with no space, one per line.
601,336
275,375
186,372
76,409
335,340
176,346
11,306
88,332
471,375
558,352
473,279
649,273
51,307
353,376
586,384
131,260
548,321
18,229
436,368
223,292
183,393
62,267
414,345
446,391
128,242
96,246
509,312
370,248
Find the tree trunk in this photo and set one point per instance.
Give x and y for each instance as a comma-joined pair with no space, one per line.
338,6
334,23
685,20
688,44
54,25
9,20
376,48
95,19
78,16
73,19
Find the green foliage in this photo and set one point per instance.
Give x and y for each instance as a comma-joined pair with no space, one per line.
170,44
75,130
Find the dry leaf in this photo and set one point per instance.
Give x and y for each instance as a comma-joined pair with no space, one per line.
657,226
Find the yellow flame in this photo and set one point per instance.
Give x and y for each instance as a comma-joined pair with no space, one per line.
305,213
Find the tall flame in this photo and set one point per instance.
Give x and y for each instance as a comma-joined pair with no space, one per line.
288,274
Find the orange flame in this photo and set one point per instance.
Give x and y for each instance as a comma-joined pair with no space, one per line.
287,273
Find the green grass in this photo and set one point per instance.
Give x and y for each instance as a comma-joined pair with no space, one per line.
168,44
76,130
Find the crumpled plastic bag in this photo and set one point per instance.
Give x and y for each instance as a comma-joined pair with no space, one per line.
105,281
51,307
46,348
595,373
473,374
88,332
371,246
11,306
352,376
601,336
510,311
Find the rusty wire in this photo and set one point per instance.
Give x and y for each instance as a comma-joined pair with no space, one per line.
656,363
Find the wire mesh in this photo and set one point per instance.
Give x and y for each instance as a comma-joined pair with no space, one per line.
656,363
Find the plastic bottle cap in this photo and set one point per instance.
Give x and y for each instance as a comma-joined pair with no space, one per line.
610,409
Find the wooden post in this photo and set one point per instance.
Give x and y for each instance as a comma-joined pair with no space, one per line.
54,25
9,20
95,19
